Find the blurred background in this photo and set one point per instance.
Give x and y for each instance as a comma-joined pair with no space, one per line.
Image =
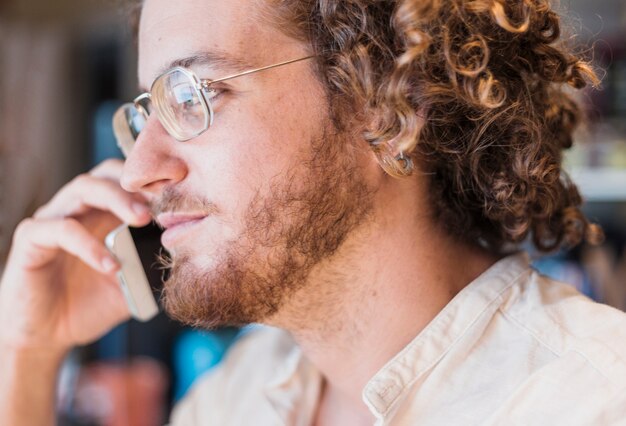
66,65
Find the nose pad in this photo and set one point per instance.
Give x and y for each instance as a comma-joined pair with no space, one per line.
123,131
144,105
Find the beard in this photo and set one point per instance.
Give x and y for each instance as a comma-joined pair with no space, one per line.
307,215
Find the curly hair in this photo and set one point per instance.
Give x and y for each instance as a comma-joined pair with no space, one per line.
474,90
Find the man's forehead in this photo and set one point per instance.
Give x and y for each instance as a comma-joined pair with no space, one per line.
204,32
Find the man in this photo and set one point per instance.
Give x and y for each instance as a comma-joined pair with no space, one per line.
359,190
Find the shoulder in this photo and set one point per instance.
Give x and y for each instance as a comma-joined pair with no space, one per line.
537,352
241,377
579,354
570,325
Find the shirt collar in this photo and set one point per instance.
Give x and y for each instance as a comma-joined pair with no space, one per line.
293,391
294,388
431,344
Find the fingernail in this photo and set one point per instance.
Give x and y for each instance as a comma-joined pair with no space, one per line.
140,209
108,264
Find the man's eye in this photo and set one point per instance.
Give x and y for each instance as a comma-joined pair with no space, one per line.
183,93
212,93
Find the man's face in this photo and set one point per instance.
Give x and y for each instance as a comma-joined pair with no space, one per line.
264,195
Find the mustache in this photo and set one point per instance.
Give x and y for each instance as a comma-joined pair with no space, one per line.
173,200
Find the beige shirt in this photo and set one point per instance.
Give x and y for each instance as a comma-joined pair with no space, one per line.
512,348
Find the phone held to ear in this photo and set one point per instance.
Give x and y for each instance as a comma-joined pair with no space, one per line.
132,277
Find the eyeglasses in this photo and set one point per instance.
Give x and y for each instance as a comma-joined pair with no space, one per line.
182,102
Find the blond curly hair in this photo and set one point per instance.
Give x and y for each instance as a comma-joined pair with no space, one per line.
475,90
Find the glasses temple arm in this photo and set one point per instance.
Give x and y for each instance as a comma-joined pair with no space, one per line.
208,82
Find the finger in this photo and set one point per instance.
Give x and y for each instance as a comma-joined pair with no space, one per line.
109,169
38,242
112,169
88,192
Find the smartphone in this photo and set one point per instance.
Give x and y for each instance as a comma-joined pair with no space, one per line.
132,276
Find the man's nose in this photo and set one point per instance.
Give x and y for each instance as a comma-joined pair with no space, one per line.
153,163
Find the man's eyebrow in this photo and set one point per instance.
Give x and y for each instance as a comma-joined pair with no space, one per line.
217,59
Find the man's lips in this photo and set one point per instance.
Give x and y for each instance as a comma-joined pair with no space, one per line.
172,220
177,226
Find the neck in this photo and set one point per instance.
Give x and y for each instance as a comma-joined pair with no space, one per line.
369,301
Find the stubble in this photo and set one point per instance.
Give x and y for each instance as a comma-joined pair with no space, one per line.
307,215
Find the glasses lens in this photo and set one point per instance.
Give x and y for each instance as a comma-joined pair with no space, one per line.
128,122
180,105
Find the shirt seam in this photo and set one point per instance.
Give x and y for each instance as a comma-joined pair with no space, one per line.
556,321
553,350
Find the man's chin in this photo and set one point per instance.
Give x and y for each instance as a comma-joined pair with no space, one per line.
212,297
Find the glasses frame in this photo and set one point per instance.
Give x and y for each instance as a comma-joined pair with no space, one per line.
202,87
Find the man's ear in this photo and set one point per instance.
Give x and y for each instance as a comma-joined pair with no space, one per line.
395,155
397,164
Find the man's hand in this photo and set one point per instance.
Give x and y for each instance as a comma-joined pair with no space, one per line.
59,288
